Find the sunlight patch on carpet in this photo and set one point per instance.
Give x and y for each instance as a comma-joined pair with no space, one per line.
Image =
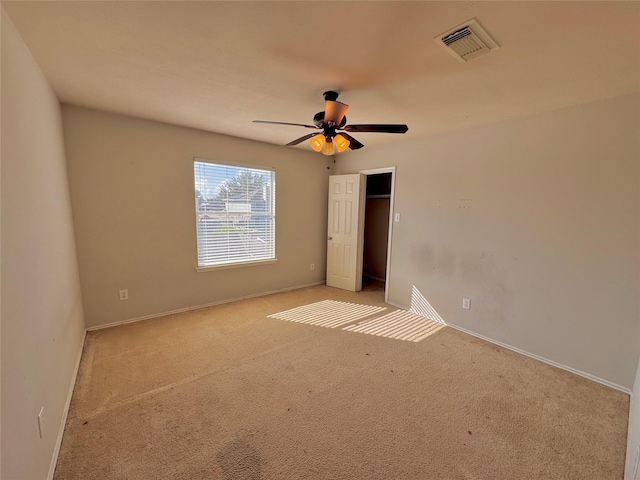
401,325
328,313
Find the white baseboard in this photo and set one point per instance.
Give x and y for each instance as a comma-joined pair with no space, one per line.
199,307
67,405
602,381
546,360
401,307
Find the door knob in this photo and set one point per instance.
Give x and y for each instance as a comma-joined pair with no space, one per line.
330,238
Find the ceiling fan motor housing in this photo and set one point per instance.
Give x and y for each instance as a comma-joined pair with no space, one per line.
318,121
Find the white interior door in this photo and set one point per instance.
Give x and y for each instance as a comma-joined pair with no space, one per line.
345,231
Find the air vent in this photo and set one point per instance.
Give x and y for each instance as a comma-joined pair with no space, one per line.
466,41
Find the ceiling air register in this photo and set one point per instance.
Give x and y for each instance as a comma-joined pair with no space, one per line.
466,41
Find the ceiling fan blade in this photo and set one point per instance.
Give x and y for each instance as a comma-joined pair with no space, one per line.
334,111
381,128
301,139
286,123
353,143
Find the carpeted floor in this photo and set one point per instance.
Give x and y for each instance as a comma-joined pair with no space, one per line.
231,393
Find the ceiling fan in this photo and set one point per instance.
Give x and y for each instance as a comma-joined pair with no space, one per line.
333,124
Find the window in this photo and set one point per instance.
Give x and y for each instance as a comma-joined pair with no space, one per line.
235,214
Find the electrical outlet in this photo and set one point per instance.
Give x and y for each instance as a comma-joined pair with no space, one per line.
41,422
312,266
124,294
466,304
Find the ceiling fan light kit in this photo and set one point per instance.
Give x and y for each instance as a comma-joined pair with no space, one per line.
320,144
333,123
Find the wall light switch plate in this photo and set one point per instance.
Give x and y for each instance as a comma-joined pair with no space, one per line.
396,217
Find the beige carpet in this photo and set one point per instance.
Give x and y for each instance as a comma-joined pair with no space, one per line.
230,393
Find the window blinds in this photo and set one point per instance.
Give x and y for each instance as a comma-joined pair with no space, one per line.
235,213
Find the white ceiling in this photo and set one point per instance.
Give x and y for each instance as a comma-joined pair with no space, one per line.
218,65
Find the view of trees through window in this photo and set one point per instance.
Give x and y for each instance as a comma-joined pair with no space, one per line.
235,212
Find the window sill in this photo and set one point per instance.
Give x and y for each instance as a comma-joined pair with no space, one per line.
227,266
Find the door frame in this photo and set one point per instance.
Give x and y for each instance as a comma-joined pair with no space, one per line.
376,171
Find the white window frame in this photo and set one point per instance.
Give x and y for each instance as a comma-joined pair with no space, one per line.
226,217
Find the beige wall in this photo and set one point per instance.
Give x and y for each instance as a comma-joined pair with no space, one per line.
133,203
42,319
536,220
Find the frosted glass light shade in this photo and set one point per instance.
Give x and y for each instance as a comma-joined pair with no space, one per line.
317,142
327,149
341,143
